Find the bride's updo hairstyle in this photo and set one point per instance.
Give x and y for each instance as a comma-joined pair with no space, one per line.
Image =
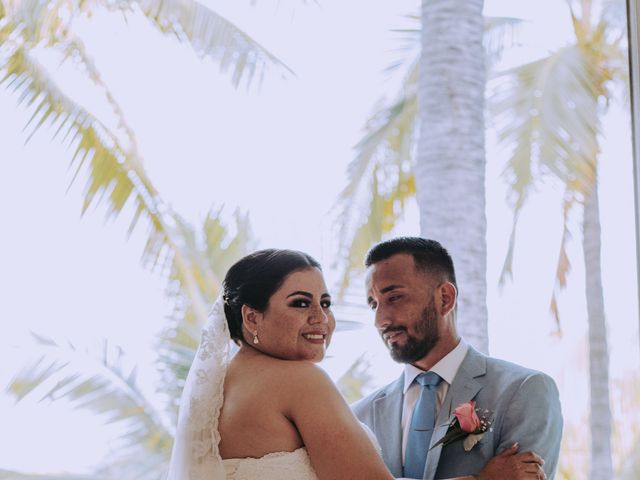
253,279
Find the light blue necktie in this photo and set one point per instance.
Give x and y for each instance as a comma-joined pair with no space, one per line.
422,424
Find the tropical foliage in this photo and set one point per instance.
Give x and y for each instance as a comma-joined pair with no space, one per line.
100,380
381,176
109,157
191,259
549,113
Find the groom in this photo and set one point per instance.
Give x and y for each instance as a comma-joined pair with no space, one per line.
411,287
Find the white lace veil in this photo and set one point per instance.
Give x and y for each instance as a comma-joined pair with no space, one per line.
195,454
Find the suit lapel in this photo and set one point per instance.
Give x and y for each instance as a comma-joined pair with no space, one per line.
387,418
463,388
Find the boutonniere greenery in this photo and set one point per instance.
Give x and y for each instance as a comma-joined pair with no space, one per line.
469,424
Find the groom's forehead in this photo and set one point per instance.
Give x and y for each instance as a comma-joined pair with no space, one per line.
397,268
379,284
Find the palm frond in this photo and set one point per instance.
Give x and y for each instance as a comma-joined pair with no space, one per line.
500,34
222,249
556,100
384,151
211,250
73,49
115,175
98,381
546,112
38,22
210,35
520,177
211,253
563,266
177,346
94,148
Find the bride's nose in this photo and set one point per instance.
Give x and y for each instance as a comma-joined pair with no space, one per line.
318,315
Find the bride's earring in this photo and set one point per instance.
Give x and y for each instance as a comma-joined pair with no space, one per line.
255,338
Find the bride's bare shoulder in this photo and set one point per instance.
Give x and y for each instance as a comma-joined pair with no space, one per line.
298,373
288,374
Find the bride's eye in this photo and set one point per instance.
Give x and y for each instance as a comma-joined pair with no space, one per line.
300,303
326,304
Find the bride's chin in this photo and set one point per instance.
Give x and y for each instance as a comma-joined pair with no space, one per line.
318,356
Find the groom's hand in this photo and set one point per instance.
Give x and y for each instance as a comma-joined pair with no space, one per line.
511,465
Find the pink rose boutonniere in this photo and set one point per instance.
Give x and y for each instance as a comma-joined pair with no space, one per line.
469,423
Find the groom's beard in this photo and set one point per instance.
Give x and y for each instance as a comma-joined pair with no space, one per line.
426,337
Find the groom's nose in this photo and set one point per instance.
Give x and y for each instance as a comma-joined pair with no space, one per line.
381,319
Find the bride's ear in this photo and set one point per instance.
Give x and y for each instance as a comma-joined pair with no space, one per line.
250,318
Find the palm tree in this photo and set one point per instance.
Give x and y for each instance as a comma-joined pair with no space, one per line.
191,260
384,173
549,112
450,161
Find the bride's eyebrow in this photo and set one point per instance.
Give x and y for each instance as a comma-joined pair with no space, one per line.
300,292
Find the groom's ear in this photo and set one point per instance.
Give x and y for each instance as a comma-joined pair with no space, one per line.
447,297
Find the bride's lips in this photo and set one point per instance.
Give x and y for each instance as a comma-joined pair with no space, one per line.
318,337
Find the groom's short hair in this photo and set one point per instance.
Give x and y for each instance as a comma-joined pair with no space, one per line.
428,255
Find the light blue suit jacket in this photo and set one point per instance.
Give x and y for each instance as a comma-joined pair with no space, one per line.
526,408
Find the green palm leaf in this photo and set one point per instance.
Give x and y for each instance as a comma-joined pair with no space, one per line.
115,176
116,179
98,381
563,266
546,111
210,35
211,252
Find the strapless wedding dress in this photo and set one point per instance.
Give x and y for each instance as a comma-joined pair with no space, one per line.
294,465
274,466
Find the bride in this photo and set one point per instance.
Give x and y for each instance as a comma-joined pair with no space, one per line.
281,417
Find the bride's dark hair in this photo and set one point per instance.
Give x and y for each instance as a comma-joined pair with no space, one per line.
253,279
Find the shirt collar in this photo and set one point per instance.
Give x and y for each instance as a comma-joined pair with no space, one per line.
447,367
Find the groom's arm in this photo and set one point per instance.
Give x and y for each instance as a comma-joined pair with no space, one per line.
534,420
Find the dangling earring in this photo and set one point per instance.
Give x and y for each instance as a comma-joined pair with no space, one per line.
255,338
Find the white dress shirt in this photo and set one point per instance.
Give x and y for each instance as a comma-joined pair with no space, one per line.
447,368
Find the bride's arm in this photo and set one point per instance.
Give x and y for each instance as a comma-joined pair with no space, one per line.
510,465
338,447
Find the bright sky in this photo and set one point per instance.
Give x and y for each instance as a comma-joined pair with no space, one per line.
280,153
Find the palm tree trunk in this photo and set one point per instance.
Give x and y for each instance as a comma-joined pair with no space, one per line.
600,419
450,169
